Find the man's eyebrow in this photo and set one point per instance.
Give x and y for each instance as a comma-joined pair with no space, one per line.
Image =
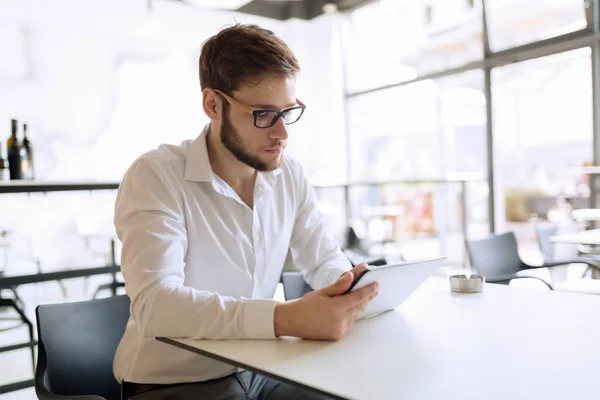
272,106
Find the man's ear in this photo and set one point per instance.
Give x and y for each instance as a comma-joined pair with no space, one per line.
211,103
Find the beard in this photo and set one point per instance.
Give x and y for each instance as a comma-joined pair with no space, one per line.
232,140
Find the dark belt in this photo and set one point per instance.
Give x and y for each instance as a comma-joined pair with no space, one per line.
131,389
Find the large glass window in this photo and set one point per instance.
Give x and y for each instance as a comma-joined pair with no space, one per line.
516,22
429,130
392,41
543,136
435,129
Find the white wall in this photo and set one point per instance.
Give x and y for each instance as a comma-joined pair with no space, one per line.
101,81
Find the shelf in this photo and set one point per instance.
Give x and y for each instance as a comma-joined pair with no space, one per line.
36,186
11,387
40,186
9,281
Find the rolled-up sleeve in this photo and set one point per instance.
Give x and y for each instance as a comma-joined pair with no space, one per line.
314,250
149,220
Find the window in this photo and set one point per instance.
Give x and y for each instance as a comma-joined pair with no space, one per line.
543,134
393,41
515,22
423,130
433,129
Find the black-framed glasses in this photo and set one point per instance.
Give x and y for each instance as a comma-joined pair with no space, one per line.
268,118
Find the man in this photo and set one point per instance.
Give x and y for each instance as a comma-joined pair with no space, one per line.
206,227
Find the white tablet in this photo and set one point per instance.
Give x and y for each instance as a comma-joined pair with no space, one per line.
396,282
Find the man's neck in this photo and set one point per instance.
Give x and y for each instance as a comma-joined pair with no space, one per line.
239,176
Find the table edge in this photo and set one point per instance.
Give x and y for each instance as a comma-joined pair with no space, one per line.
245,366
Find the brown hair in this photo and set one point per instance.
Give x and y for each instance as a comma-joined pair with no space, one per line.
240,53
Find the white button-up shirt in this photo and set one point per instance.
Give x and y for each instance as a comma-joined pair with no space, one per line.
199,263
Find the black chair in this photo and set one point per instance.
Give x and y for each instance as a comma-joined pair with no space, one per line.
497,257
112,286
356,249
353,241
77,343
357,258
548,253
543,238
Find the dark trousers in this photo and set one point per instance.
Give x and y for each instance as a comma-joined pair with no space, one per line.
245,385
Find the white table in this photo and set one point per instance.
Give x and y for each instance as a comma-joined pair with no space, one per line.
590,237
586,214
503,343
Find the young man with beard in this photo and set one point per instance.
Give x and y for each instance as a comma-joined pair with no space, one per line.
206,227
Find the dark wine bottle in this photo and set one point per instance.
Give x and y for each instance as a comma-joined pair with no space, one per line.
28,171
13,136
16,153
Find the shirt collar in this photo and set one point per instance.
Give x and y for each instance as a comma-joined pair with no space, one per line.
198,169
197,165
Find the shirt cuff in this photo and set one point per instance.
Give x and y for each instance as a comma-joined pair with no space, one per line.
259,319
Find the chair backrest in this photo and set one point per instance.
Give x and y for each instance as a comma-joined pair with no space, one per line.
77,343
351,238
294,285
495,255
543,237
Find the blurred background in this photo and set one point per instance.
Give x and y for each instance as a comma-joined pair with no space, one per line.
428,122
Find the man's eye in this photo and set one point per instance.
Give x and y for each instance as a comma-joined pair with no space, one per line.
263,115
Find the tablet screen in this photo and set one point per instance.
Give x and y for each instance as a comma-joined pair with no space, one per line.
396,282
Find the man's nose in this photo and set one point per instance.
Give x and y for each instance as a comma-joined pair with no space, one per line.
279,130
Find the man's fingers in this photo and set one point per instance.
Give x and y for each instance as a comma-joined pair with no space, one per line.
360,306
360,268
356,297
340,286
367,292
357,309
357,270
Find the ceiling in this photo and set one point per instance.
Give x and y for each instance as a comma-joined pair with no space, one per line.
281,9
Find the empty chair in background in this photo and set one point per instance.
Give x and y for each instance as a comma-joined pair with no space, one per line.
566,253
497,257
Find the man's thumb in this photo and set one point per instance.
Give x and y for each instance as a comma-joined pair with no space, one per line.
341,285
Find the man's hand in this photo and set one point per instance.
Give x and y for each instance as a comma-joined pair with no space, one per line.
357,270
324,314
